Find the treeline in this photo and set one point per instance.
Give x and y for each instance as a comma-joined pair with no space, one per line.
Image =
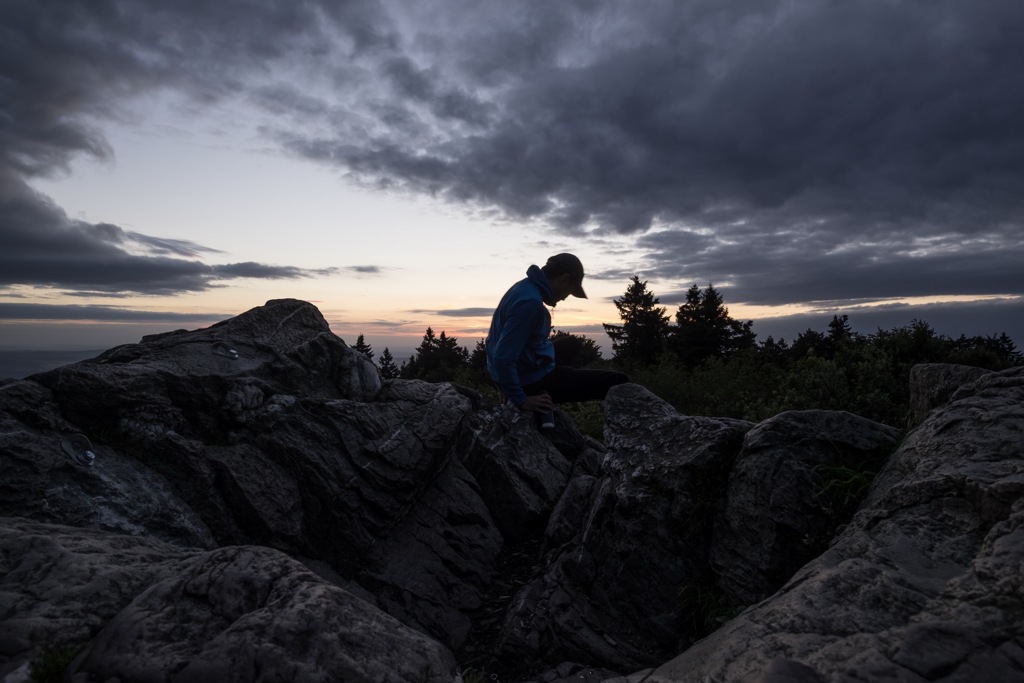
704,362
438,358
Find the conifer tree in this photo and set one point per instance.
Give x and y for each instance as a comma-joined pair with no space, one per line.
436,359
478,359
387,367
704,329
362,347
575,350
645,325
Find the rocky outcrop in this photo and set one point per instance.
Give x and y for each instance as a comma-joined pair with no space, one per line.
624,543
687,519
147,610
932,385
262,506
121,494
60,585
924,584
799,476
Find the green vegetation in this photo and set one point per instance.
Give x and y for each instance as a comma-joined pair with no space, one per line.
708,363
842,489
476,676
645,327
50,665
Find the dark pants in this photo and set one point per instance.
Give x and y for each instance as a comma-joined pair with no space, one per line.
568,385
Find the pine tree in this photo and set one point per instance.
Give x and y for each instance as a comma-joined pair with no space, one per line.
575,350
478,359
645,326
704,329
387,367
437,359
362,347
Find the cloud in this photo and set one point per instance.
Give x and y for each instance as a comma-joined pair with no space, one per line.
41,247
65,312
785,151
459,312
788,149
952,319
64,67
263,271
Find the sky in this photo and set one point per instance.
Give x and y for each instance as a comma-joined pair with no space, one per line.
166,165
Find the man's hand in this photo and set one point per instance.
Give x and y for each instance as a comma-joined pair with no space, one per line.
538,402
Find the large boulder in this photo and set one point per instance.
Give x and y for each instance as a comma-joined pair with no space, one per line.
522,471
39,480
799,476
924,584
140,609
932,385
294,444
246,614
60,585
627,549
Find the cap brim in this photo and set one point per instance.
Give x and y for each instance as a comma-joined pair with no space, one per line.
578,292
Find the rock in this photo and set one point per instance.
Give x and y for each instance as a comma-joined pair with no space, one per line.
252,614
932,384
117,493
924,584
147,610
431,570
60,585
433,521
295,445
625,545
578,673
799,476
520,470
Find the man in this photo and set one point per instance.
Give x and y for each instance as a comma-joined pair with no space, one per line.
520,355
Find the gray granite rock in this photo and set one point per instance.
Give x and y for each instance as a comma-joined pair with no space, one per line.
250,614
628,548
118,493
520,471
799,476
295,444
431,519
60,585
932,384
925,584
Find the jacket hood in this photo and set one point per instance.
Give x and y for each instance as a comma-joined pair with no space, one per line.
535,275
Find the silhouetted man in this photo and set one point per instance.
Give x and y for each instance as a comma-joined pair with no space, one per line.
520,355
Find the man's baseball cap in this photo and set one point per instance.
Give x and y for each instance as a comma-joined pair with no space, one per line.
568,263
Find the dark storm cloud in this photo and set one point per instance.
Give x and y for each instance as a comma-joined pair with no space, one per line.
41,247
459,312
792,149
263,271
63,69
952,319
794,267
789,151
36,312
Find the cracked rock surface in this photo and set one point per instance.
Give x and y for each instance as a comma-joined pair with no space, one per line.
263,507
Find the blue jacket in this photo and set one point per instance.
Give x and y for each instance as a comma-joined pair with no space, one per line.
519,348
